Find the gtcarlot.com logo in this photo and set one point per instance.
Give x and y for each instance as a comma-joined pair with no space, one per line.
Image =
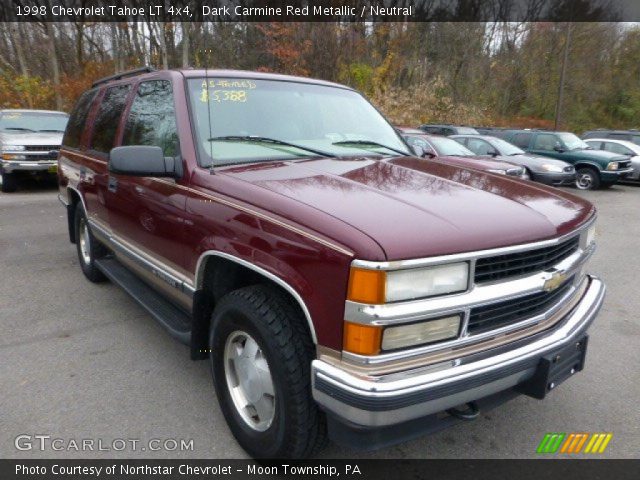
43,443
574,443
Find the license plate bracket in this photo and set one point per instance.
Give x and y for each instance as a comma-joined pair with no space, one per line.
554,368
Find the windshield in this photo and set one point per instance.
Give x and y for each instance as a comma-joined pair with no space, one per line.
447,146
263,120
572,142
33,121
506,148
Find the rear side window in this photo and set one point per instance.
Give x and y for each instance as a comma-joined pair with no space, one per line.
521,140
108,118
152,119
78,119
617,148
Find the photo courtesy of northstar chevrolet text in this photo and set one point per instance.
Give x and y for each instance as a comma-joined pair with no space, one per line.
328,233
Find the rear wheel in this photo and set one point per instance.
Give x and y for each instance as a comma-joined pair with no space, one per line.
9,182
587,179
89,249
260,361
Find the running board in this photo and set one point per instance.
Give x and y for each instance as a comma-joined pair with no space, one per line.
170,317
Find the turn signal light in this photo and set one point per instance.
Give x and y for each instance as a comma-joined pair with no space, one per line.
362,339
366,286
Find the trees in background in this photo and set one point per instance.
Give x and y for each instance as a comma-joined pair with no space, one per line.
477,73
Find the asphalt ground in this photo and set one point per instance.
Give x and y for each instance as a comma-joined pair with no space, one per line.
84,361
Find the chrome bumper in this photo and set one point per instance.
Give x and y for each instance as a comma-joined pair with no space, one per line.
9,166
392,399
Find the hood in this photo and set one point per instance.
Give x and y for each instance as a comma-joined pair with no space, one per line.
30,138
477,161
415,208
596,155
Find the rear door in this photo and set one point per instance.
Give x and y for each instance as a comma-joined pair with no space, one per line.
147,213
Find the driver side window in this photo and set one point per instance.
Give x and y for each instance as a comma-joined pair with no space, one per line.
545,141
152,119
479,147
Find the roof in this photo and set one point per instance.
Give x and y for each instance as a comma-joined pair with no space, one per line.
26,110
145,72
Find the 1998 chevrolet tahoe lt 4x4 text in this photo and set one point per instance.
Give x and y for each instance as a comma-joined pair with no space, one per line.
337,284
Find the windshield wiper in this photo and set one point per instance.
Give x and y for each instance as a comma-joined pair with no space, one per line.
273,141
22,129
51,130
346,143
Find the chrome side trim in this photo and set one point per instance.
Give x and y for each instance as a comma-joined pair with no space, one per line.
468,256
168,277
214,253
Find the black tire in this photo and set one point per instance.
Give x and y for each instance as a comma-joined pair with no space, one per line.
587,179
94,249
9,182
298,428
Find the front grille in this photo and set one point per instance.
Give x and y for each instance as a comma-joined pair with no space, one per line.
624,164
500,314
513,264
41,148
46,156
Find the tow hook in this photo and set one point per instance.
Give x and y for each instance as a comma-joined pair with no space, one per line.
470,413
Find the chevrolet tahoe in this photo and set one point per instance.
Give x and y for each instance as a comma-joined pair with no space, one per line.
339,286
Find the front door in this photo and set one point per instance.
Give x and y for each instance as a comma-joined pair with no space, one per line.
146,214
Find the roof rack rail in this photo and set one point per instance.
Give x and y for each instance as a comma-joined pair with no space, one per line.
128,73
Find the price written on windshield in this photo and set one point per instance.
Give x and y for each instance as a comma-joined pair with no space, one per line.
223,95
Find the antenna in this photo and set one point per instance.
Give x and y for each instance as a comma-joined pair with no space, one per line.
207,51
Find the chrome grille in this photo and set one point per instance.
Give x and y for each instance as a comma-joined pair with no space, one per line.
500,314
41,148
513,264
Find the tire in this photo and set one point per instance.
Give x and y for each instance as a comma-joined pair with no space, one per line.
283,421
9,182
587,179
89,249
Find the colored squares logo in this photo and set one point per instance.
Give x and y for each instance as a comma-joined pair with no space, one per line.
574,443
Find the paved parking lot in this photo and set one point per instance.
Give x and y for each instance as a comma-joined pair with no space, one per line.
79,360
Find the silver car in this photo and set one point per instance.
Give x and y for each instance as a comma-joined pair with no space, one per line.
622,147
29,143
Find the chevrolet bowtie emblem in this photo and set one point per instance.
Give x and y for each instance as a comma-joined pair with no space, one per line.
553,282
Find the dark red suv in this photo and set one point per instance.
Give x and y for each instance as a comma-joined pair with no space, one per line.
337,284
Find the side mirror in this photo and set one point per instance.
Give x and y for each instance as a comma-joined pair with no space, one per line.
558,147
493,153
418,150
143,161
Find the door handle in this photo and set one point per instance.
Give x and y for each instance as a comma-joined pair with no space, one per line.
113,184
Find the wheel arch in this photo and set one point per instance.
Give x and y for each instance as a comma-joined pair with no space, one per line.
585,164
74,198
244,273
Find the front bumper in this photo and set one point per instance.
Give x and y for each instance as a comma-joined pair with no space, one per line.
382,401
555,179
612,176
9,166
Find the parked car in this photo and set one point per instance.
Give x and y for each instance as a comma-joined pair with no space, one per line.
620,147
628,135
446,129
594,168
540,169
333,281
449,151
29,144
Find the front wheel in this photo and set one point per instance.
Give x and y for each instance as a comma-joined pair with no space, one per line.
587,179
260,361
9,182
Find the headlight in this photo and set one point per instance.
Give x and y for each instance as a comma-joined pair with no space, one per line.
552,168
613,166
501,172
378,286
13,148
420,333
